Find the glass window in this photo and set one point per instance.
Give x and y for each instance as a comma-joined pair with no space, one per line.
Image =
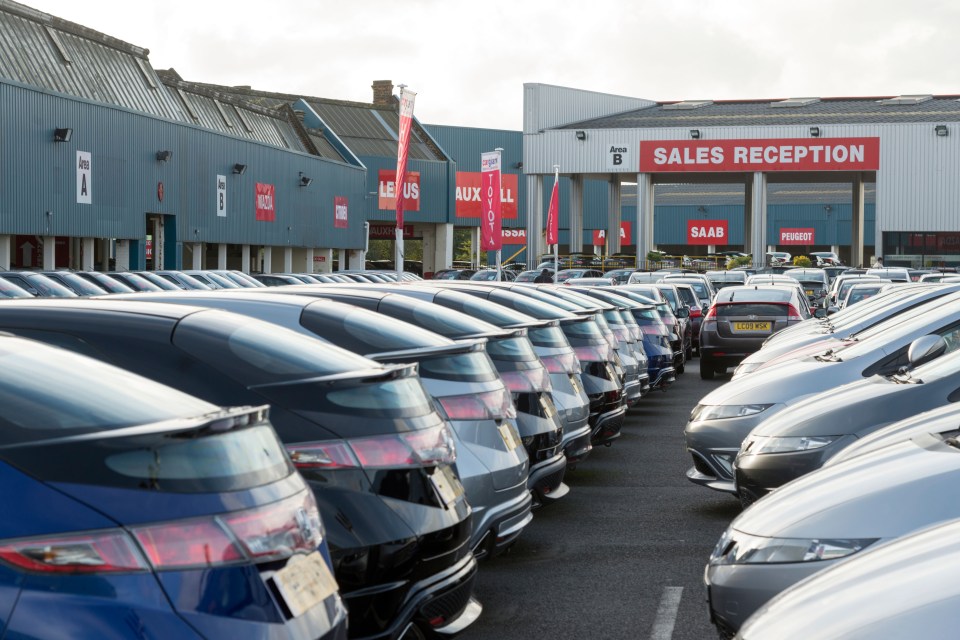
433,317
583,330
755,309
552,337
479,308
475,366
368,331
515,349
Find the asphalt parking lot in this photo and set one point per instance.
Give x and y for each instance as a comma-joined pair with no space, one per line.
622,555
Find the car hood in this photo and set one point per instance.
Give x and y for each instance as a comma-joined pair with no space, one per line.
941,420
785,383
839,411
882,494
802,347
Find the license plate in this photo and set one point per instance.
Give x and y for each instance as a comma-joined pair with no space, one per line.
575,384
751,326
448,487
510,437
809,292
305,582
549,410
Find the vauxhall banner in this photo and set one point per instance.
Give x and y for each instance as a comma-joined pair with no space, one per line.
403,145
468,195
265,205
707,232
490,222
387,191
786,154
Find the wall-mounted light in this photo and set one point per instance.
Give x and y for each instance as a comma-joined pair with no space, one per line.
701,209
164,156
814,132
827,208
62,134
239,169
695,134
941,130
581,135
518,165
304,180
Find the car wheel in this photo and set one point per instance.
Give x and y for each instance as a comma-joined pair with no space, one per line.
706,368
680,368
689,353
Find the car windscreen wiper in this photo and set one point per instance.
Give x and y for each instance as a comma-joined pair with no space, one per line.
903,377
828,356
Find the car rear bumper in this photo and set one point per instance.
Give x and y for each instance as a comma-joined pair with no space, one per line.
606,427
502,524
664,378
546,480
576,441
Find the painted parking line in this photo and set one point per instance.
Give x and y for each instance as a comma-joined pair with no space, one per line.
666,614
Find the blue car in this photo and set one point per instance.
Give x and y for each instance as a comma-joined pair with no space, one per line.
131,510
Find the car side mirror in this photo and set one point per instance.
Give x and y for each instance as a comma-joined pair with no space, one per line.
820,313
925,348
683,312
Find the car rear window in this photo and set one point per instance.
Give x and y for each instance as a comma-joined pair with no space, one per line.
480,308
475,366
395,399
433,317
10,290
759,294
515,349
729,310
45,392
365,331
551,337
195,461
583,330
255,352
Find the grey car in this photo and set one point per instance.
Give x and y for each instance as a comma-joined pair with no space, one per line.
723,418
815,283
903,590
800,438
740,319
491,461
837,512
887,304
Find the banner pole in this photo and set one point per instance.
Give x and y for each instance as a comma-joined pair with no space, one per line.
556,247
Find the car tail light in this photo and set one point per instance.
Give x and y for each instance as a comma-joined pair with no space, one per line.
196,543
792,314
279,530
410,449
527,380
561,363
94,552
593,353
492,405
696,312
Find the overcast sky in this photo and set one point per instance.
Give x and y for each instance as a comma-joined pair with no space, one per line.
468,61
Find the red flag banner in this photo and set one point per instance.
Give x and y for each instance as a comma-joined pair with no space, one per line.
340,212
490,223
553,215
403,145
265,204
468,195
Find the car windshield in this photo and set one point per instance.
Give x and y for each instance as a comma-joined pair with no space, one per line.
898,329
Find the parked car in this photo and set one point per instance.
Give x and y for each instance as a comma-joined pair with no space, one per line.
135,510
694,310
491,275
531,275
679,323
76,283
566,274
37,284
815,283
211,279
177,278
645,277
777,258
620,276
533,416
721,279
726,416
700,283
551,345
454,274
834,295
163,283
366,437
825,259
243,279
10,290
740,319
894,274
901,590
276,279
590,282
126,280
860,292
800,438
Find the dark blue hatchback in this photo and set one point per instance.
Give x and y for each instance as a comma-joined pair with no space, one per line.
131,510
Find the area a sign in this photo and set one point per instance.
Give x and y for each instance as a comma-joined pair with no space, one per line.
708,232
600,235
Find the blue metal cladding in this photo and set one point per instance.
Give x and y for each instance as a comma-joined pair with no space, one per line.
436,192
38,175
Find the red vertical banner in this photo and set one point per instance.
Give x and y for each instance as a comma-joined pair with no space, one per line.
553,214
491,238
265,205
403,144
340,212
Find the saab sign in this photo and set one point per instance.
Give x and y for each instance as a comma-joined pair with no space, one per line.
707,232
797,236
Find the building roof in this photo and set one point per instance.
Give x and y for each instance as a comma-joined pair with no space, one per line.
44,51
790,111
366,129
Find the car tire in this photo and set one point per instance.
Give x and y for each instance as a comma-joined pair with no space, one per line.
707,368
680,368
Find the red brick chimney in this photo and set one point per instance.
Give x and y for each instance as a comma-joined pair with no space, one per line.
383,93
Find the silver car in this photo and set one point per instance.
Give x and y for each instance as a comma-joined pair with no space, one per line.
491,460
723,418
826,333
837,512
903,590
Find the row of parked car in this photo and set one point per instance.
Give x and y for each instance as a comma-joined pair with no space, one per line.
318,460
839,436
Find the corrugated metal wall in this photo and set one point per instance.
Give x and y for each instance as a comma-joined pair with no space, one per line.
436,190
546,106
38,175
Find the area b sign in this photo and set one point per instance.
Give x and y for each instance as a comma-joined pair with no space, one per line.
707,232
